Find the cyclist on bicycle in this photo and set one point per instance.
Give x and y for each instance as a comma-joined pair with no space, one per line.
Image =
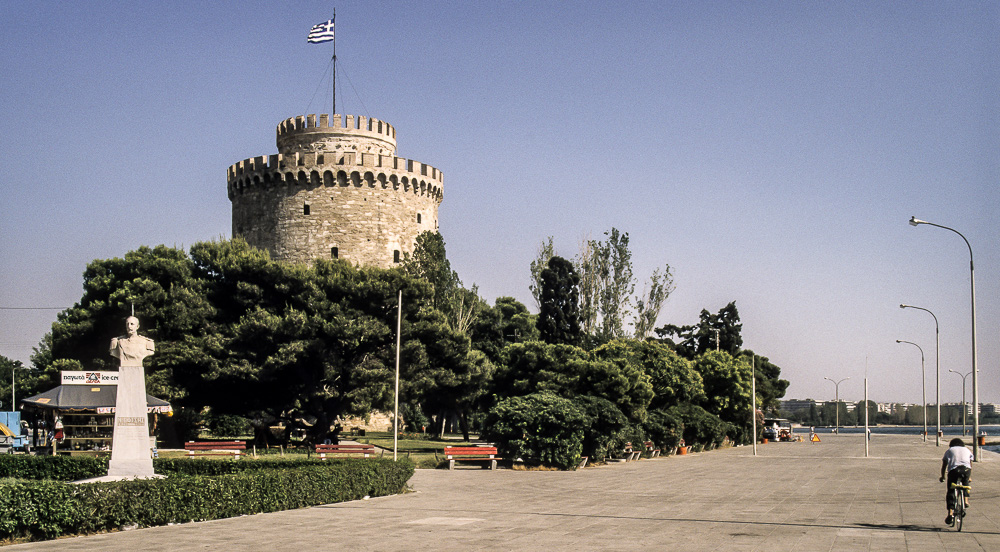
957,464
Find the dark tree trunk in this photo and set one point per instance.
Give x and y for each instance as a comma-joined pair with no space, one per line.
463,421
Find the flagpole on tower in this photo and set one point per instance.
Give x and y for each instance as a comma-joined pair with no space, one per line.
334,20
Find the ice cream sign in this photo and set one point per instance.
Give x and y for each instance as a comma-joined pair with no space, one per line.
89,378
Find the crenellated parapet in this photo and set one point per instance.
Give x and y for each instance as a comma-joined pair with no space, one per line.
344,132
336,169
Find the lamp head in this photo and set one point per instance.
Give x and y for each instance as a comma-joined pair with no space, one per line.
915,221
902,306
898,341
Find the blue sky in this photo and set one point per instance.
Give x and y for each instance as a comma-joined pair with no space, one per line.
771,153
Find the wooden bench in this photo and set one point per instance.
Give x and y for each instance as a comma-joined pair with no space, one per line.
215,448
471,454
629,454
651,449
365,450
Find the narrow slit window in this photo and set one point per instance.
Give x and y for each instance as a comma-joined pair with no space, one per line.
334,253
395,256
305,209
418,218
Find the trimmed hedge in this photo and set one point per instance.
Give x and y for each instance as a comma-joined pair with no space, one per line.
75,468
59,468
207,466
48,509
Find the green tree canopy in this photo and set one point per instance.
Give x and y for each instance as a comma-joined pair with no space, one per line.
570,372
673,378
429,261
721,331
507,321
442,372
245,335
770,387
727,388
559,318
27,382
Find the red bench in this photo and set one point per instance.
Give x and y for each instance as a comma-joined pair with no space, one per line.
215,448
365,450
471,454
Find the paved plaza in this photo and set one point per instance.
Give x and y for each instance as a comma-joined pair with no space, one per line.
791,496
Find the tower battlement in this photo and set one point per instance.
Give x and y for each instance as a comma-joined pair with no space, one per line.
335,189
255,167
307,133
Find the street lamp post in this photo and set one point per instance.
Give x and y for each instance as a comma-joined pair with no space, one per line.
923,382
964,407
914,221
836,385
937,371
13,398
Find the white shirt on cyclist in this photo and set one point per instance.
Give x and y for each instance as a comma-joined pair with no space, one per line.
958,456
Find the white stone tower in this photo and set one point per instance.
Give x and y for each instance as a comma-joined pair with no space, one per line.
335,189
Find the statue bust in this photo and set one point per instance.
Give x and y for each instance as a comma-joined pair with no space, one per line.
131,348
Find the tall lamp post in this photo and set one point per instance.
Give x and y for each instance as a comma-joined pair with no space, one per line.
937,371
914,221
923,382
13,398
836,385
964,407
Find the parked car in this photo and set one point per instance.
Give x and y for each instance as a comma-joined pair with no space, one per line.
778,429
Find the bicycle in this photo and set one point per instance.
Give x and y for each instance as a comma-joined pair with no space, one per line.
958,496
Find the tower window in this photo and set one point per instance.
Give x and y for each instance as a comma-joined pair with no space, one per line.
418,218
305,209
334,253
395,256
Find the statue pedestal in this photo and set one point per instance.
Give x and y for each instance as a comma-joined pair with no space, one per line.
131,454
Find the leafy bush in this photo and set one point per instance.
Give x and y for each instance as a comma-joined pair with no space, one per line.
700,426
229,425
412,418
47,509
632,434
663,429
605,424
540,427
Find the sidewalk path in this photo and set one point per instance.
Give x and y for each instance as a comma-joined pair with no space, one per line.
792,496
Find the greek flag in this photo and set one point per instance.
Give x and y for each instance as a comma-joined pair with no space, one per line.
321,33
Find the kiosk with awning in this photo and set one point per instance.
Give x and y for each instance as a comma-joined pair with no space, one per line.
81,411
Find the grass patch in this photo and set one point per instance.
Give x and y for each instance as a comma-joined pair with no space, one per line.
425,451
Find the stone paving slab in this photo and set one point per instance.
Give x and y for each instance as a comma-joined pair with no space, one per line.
791,496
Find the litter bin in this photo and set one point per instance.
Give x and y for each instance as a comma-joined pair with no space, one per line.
982,440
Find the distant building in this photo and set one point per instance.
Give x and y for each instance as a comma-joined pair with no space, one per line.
798,405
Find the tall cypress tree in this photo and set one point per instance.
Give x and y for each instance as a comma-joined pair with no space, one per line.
559,316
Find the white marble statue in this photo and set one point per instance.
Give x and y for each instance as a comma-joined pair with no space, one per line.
131,453
131,348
